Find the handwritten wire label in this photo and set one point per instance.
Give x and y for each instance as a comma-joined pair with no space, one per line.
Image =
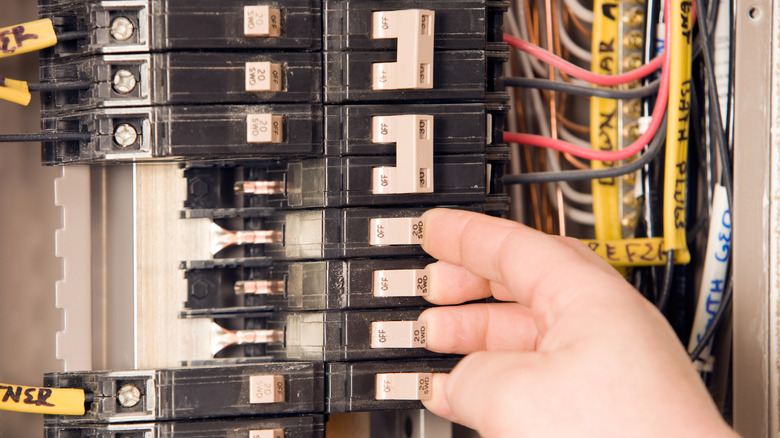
604,120
55,401
27,37
650,251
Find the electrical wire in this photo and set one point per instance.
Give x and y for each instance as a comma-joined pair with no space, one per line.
516,29
579,90
641,142
715,114
570,17
622,154
64,86
573,48
716,320
579,11
570,137
75,35
578,72
666,289
716,122
44,137
582,175
538,109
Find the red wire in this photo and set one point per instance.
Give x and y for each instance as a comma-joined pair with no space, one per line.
635,147
585,75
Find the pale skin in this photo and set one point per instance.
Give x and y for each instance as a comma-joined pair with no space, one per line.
574,350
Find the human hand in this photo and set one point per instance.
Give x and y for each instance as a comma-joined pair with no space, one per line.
575,352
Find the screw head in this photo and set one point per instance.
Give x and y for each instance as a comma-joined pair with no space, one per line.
121,29
124,81
125,135
128,395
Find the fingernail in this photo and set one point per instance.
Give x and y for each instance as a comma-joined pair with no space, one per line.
426,219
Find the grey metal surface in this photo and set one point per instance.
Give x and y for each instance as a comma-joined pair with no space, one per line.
774,226
74,289
112,270
162,241
751,218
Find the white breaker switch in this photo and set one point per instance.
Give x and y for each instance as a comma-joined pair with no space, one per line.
403,386
398,334
262,21
401,283
264,128
413,171
266,433
266,389
395,231
263,76
413,68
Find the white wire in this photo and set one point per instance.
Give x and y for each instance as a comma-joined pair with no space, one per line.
574,48
571,137
579,11
538,110
539,68
579,216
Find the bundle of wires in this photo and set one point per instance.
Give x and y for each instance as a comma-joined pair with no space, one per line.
542,82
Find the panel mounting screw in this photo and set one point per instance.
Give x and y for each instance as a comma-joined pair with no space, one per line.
124,81
121,29
128,395
125,135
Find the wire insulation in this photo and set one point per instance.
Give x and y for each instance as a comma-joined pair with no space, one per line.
63,86
44,137
564,87
578,72
583,175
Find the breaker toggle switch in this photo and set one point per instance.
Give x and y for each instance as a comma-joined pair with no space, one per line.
414,66
413,171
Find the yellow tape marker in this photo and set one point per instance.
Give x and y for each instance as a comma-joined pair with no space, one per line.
636,252
55,401
676,161
27,37
604,119
15,91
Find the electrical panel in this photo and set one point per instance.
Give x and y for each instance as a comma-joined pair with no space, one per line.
305,138
243,184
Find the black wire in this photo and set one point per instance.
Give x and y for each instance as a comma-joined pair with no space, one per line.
725,156
580,175
63,86
75,35
715,115
716,320
663,299
564,87
43,136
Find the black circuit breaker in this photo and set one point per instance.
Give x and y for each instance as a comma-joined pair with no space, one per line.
312,135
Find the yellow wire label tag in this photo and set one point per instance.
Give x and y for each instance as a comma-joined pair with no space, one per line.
27,37
676,160
14,91
55,401
649,251
604,119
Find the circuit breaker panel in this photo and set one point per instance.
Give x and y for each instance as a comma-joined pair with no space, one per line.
302,140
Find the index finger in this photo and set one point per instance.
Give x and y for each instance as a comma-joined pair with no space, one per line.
541,271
